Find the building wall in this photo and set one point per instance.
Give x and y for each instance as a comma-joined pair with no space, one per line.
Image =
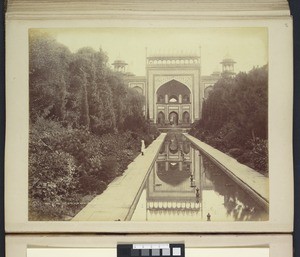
187,74
184,69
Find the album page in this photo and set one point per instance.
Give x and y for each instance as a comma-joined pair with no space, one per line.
149,125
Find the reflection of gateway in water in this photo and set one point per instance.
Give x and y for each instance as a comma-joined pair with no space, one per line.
184,185
176,183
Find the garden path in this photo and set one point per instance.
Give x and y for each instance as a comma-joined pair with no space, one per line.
118,201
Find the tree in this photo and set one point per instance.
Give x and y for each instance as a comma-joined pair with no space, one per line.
48,76
119,92
235,117
134,119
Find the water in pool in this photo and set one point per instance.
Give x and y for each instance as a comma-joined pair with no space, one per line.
184,185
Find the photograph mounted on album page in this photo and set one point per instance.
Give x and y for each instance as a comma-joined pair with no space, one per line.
149,126
157,245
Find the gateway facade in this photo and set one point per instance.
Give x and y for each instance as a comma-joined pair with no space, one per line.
174,87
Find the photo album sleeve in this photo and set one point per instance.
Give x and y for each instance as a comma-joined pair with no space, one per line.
140,122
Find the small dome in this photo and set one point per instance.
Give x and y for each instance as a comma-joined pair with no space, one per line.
227,59
119,62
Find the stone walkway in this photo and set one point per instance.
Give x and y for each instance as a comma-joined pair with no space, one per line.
242,174
117,202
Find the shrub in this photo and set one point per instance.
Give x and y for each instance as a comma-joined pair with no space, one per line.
260,154
66,165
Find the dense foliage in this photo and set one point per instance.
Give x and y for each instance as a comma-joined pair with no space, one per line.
86,126
235,118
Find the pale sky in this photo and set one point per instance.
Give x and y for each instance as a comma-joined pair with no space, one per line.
247,46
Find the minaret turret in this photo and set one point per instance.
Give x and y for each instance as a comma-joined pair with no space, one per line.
120,66
228,66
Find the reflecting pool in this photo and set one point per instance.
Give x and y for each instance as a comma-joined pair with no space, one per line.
184,185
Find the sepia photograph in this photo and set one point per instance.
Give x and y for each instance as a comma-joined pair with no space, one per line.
148,124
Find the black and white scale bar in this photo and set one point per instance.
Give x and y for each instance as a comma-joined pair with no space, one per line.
150,250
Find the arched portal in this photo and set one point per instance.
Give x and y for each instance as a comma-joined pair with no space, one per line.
186,117
138,89
161,118
173,98
173,89
173,118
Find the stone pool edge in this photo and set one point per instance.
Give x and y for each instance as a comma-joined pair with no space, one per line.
253,182
118,201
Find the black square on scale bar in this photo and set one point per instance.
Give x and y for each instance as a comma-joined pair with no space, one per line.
135,252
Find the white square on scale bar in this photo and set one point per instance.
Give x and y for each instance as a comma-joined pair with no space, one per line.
176,251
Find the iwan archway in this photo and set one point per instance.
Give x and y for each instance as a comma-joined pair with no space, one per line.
174,93
173,104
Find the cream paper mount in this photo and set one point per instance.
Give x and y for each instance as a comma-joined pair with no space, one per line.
90,246
178,183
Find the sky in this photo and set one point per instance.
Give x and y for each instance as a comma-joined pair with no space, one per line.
247,46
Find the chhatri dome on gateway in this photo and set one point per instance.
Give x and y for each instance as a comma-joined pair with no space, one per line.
174,87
